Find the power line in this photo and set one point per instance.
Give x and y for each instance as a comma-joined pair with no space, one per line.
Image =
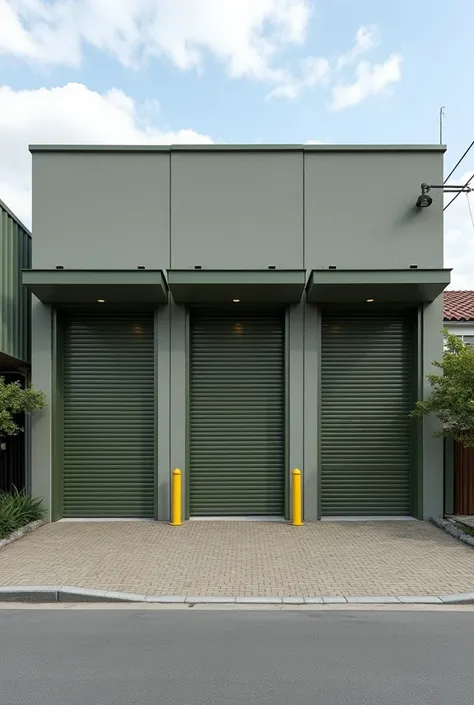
460,191
454,169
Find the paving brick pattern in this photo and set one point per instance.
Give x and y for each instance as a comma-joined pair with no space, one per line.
243,558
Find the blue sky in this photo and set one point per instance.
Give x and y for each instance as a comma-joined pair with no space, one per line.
338,71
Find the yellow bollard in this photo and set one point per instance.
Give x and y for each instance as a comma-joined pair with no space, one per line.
176,498
296,498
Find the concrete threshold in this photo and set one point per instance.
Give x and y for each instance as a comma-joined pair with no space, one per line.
90,520
242,518
368,518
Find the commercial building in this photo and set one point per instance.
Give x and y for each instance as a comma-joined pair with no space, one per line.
15,306
459,459
235,311
459,314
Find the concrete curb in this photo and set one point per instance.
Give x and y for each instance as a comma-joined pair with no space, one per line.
21,532
45,593
453,530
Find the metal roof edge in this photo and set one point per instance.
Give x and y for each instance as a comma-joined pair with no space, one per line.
238,148
98,148
15,217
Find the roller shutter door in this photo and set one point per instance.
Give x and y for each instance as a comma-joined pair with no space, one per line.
108,416
237,414
365,429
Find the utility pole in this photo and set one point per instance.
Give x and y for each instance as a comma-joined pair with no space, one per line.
441,118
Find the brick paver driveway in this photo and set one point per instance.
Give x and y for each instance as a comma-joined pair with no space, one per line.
243,558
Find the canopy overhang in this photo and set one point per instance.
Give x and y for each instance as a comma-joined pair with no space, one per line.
333,286
88,286
272,286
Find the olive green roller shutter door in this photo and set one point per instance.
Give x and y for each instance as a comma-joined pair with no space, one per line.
108,438
237,415
365,428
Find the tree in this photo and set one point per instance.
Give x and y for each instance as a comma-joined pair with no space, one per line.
15,400
452,396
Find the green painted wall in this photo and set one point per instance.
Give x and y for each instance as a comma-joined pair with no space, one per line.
311,410
45,434
15,301
229,208
162,226
88,203
366,201
432,471
244,210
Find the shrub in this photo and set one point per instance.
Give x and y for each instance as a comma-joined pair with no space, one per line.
16,510
15,400
452,392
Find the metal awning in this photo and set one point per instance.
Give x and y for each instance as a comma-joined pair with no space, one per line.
268,286
382,286
88,286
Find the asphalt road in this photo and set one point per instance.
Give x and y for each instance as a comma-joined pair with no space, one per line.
231,658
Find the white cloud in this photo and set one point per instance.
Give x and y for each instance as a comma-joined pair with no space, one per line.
69,114
459,237
370,79
366,38
244,34
314,70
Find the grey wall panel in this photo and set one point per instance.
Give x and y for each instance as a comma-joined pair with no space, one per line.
237,210
101,210
312,346
41,421
360,210
432,469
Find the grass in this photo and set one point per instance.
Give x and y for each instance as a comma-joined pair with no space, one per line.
16,510
465,529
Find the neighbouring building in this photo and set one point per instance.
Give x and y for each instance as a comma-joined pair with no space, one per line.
15,307
459,314
235,311
459,460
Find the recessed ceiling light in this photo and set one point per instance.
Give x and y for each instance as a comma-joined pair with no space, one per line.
101,301
236,301
370,301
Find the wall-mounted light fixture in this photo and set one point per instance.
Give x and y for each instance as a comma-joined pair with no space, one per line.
425,200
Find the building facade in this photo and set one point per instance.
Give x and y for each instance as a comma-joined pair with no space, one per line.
235,312
459,314
459,460
15,308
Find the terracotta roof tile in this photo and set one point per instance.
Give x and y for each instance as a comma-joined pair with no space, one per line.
458,305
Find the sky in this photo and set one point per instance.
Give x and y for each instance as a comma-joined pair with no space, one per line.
239,71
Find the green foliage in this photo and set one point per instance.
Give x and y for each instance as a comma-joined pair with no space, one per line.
16,510
452,396
15,400
465,529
